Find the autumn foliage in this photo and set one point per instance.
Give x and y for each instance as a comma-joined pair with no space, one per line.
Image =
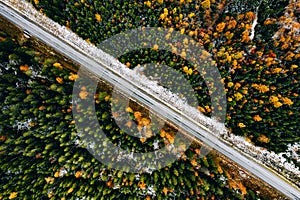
41,152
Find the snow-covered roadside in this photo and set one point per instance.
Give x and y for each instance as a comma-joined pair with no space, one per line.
276,161
270,159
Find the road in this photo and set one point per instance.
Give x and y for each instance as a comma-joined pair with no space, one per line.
170,113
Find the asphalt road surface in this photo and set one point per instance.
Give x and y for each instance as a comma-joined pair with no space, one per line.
169,112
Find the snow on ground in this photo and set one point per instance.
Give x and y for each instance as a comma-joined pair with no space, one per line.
277,161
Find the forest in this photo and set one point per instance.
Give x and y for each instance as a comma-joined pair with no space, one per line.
42,155
260,74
